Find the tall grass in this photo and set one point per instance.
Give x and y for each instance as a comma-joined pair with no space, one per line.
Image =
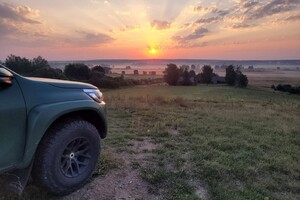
239,144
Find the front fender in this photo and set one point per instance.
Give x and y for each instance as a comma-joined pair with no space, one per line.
41,117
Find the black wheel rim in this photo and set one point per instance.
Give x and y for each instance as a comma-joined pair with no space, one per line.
75,158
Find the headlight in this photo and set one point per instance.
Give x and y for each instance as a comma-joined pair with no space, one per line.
95,94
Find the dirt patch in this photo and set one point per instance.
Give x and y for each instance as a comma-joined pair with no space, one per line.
173,131
124,183
143,146
201,190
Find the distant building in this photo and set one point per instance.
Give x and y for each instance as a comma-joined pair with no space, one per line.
127,67
136,72
145,73
218,80
123,72
152,73
217,67
193,67
251,67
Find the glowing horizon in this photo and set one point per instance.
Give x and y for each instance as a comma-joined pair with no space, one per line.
141,29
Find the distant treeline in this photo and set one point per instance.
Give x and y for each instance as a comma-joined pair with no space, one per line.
39,67
174,75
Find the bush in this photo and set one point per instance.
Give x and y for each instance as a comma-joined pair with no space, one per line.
48,73
171,74
287,88
98,68
101,81
241,80
77,71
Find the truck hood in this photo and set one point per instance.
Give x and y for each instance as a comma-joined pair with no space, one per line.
63,84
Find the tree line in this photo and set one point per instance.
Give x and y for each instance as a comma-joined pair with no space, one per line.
39,67
174,75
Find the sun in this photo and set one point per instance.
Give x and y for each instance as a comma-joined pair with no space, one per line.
153,51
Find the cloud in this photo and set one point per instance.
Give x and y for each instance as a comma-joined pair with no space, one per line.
6,28
293,18
130,28
242,26
201,9
21,22
90,39
250,4
209,20
257,10
190,45
160,25
21,14
197,33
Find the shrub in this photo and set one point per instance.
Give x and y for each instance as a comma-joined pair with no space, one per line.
48,73
98,68
77,71
101,81
241,80
286,88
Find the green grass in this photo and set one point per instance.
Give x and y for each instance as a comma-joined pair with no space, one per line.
212,142
238,143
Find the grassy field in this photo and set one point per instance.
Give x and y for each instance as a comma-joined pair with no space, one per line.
211,142
198,142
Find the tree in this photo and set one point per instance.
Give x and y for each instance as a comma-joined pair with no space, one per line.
230,75
136,72
77,71
39,62
207,74
186,77
171,74
20,65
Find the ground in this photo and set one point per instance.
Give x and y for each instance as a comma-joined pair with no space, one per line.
197,142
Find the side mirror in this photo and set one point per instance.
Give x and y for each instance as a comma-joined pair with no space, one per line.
5,77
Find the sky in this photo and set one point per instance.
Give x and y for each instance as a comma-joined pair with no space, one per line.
150,29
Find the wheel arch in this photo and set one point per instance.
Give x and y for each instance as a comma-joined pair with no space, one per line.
44,117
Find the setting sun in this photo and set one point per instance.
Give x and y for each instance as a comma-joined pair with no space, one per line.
153,51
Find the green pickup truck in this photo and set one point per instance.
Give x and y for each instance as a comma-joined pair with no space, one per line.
49,129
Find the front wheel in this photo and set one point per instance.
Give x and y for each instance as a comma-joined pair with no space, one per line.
67,157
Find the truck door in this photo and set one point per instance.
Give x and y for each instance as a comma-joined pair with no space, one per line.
12,121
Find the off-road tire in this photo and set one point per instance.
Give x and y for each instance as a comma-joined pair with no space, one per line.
54,167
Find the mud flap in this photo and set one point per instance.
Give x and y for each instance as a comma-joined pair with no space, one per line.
13,183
